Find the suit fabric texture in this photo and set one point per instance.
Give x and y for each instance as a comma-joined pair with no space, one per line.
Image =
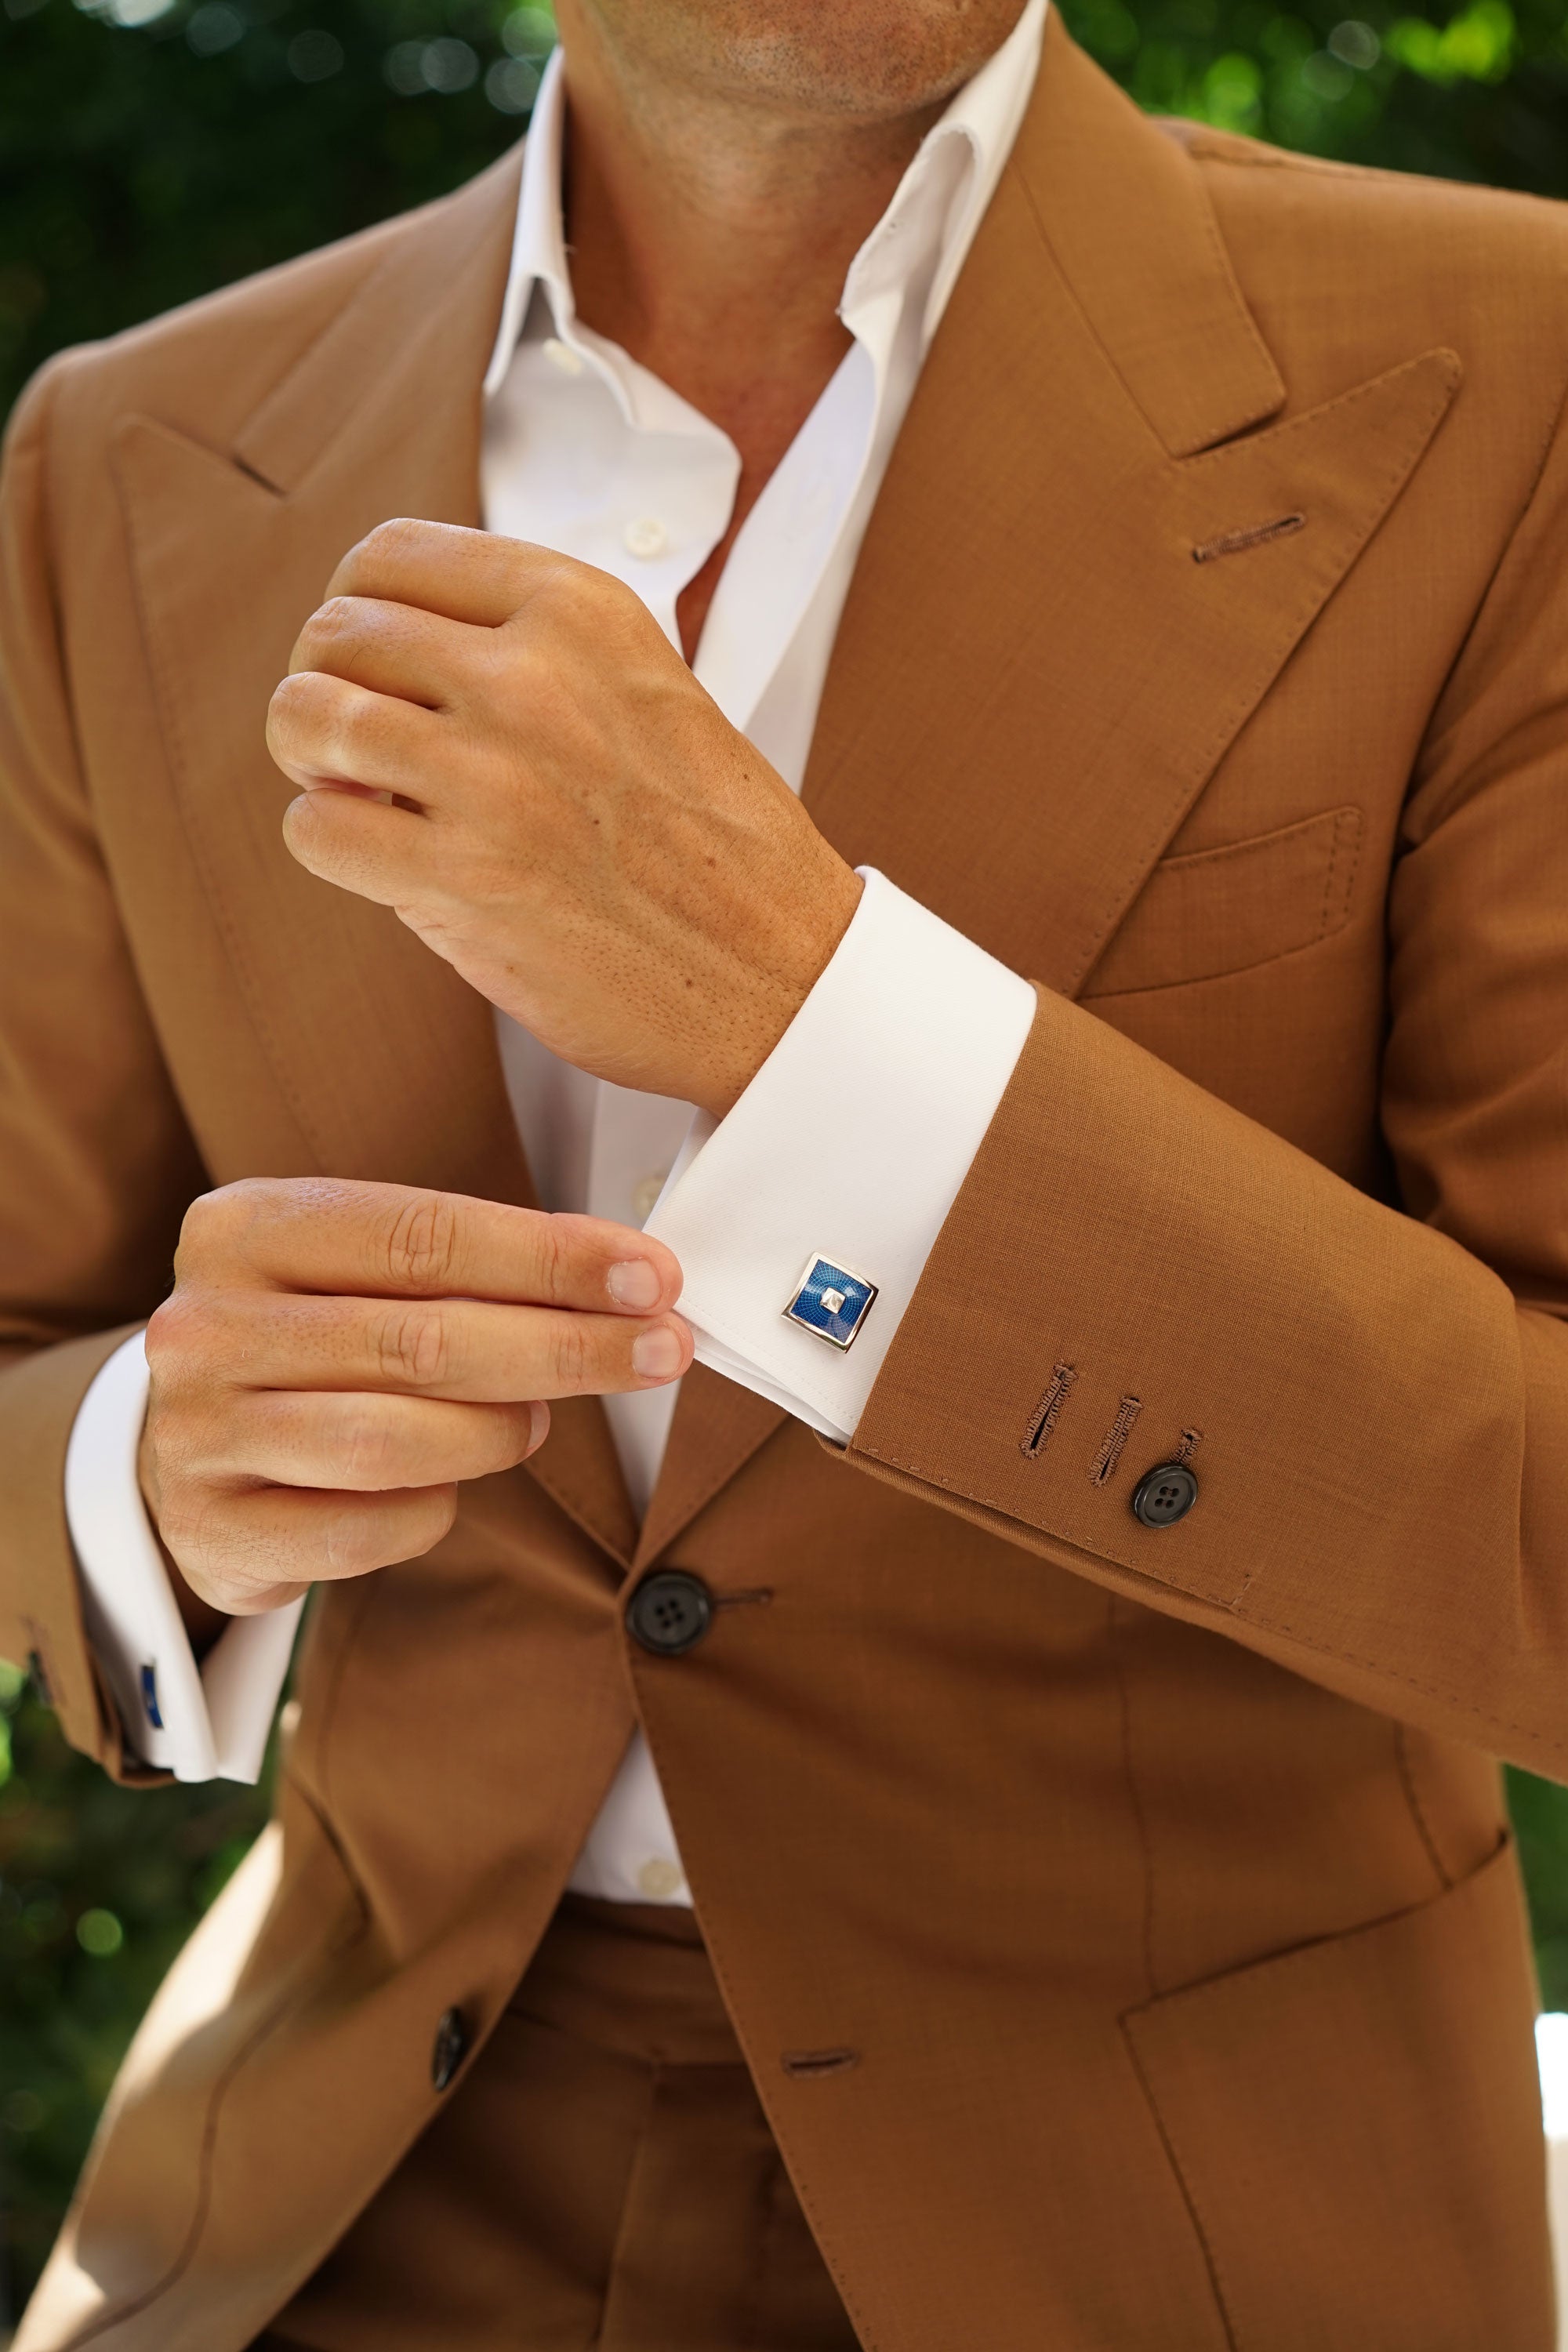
1118,1923
604,2177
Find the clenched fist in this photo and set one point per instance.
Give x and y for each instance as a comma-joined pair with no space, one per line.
335,1358
501,744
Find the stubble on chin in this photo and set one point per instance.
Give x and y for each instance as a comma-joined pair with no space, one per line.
858,59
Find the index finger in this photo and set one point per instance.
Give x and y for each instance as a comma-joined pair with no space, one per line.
396,1241
464,575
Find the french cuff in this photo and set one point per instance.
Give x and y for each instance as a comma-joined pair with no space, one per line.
824,1189
200,1724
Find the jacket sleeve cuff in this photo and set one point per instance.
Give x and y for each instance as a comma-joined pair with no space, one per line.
851,1144
200,1724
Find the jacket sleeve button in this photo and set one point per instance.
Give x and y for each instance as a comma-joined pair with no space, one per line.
449,2048
1164,1495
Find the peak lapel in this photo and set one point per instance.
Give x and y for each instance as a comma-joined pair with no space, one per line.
1034,680
386,1060
1123,212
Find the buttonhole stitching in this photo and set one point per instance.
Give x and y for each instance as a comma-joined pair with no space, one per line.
762,1593
1237,542
1007,1512
1190,1438
1115,1438
1043,1420
809,2063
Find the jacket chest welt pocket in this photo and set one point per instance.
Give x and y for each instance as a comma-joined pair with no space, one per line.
1356,2129
1223,910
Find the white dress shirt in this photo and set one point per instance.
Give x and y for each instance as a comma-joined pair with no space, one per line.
585,452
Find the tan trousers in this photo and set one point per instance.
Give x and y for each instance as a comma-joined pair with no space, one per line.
604,2177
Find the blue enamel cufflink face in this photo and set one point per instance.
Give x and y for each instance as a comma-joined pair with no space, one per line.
831,1302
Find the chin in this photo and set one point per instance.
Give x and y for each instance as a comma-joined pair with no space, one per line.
858,58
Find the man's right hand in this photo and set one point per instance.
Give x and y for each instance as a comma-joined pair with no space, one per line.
336,1356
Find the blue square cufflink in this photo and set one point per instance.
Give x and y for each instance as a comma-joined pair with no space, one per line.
831,1302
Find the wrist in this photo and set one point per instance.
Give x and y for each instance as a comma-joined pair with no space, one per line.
752,1028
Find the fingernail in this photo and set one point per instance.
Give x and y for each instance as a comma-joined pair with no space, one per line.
634,1283
655,1355
539,1428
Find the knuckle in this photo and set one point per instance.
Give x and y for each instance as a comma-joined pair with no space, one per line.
422,1243
555,1269
358,1539
170,1330
387,543
294,698
570,1353
392,536
585,597
349,1542
340,616
316,720
213,1221
332,626
187,1335
366,1448
219,1228
412,1345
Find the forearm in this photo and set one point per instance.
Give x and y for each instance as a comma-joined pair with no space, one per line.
1361,1401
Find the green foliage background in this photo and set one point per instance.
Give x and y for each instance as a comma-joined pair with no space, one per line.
153,149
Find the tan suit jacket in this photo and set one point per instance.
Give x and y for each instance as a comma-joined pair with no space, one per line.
1206,661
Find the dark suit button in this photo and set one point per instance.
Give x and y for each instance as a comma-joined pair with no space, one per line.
450,2048
1164,1495
669,1611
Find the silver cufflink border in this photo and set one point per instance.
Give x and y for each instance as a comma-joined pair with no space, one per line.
821,1258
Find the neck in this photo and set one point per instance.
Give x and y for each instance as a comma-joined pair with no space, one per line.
710,232
715,196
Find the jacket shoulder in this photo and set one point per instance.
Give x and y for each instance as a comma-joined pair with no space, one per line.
204,367
1442,231
1349,269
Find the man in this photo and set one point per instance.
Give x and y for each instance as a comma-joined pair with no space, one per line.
1116,1515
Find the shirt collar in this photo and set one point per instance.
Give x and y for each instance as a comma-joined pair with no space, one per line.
539,243
924,236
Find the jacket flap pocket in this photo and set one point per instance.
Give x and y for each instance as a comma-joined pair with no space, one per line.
1356,2127
1220,910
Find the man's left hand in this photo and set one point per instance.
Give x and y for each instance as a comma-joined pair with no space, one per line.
501,744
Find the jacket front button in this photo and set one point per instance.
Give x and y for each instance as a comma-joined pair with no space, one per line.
1164,1495
669,1611
450,2048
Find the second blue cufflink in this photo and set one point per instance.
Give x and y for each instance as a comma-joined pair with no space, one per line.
148,1680
831,1302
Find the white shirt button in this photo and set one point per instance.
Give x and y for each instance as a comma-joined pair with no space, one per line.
646,536
646,1193
660,1880
562,356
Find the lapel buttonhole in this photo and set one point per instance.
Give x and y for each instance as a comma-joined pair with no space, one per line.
1237,542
